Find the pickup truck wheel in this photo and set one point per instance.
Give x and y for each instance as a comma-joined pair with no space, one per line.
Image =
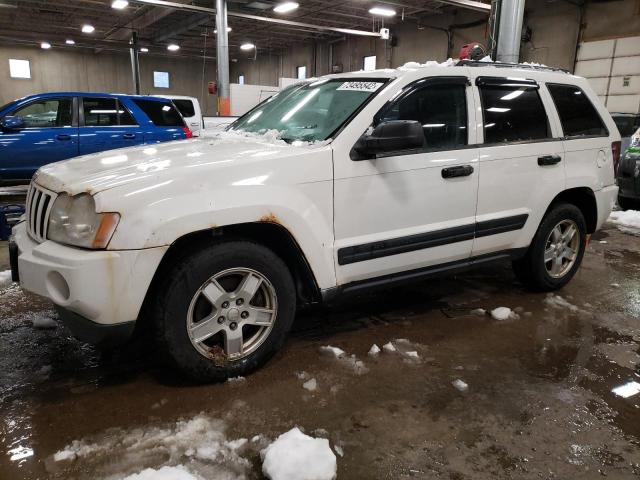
556,252
225,310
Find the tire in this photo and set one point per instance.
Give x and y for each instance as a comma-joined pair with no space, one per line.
533,271
206,286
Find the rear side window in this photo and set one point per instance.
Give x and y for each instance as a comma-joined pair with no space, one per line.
577,114
440,109
105,112
186,107
513,114
162,114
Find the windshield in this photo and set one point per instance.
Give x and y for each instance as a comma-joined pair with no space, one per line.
310,112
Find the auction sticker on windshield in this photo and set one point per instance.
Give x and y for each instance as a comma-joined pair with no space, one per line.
360,86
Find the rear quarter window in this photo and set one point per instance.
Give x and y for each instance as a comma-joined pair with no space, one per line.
578,116
162,114
186,107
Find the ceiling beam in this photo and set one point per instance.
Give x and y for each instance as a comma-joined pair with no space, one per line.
470,4
182,27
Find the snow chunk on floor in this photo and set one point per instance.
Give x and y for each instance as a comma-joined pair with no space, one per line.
557,301
374,350
389,347
43,323
335,351
311,385
502,313
412,354
350,361
5,278
629,218
460,385
165,473
296,456
480,312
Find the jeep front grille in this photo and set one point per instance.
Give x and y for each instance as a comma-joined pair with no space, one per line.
39,203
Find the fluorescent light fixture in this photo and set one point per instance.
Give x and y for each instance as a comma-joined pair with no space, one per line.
88,28
119,4
247,46
172,47
300,104
512,95
627,390
228,30
433,125
45,45
498,109
144,49
285,7
382,11
69,41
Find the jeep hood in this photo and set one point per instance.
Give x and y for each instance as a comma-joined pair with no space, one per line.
137,166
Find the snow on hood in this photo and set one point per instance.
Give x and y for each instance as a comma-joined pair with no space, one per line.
114,168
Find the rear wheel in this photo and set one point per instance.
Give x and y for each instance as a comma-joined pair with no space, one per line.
225,310
556,252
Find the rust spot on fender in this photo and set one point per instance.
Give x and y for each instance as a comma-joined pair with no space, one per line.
270,218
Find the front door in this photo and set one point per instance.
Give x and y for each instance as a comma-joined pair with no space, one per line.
410,209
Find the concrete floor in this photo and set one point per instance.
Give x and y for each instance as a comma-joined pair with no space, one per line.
539,402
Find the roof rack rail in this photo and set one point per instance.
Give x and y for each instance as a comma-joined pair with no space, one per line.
477,63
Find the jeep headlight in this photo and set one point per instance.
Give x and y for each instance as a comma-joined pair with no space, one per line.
74,221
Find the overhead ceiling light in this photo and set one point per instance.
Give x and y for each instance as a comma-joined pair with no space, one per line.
45,45
382,11
144,49
119,4
88,28
247,46
285,7
173,47
69,41
228,30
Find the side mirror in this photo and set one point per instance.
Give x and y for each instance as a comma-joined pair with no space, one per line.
389,137
12,123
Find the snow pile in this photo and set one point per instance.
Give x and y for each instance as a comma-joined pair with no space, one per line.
296,456
349,361
480,312
165,473
272,136
460,385
199,441
43,322
556,301
503,313
389,347
5,278
374,350
429,63
311,385
629,218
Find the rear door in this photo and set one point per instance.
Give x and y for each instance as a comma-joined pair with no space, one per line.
105,124
164,122
50,134
521,162
191,113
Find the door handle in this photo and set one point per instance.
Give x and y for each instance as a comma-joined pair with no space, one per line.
459,171
129,136
549,160
63,137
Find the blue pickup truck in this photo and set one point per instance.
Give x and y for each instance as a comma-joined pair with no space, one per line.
49,127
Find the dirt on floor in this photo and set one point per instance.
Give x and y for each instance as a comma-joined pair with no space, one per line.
528,397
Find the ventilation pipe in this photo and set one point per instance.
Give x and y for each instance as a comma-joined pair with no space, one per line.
135,64
510,30
222,50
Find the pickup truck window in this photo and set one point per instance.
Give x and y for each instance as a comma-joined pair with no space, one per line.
312,112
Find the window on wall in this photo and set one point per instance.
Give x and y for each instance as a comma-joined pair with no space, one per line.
440,109
19,68
241,79
577,114
513,114
302,72
161,79
369,63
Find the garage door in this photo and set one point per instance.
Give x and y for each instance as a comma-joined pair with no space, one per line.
613,69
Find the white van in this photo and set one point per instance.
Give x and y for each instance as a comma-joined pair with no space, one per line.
190,109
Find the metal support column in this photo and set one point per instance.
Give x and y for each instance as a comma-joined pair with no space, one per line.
510,30
222,50
135,65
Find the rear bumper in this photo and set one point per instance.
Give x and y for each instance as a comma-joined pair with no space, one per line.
605,201
104,287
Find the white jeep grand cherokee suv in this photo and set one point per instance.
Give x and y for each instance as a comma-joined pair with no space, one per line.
375,178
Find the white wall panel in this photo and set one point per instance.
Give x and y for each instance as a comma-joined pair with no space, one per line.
628,46
593,68
617,86
595,50
623,103
626,66
599,85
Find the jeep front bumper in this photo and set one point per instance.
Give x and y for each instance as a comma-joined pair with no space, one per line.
105,288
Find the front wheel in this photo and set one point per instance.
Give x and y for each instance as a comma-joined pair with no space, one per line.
556,252
225,310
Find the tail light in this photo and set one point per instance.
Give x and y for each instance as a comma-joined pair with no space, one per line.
189,134
615,153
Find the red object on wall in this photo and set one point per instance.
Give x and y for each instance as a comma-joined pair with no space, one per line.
213,88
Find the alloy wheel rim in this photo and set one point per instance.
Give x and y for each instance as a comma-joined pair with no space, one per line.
561,248
231,314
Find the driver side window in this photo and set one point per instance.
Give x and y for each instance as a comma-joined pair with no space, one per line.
440,109
52,112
